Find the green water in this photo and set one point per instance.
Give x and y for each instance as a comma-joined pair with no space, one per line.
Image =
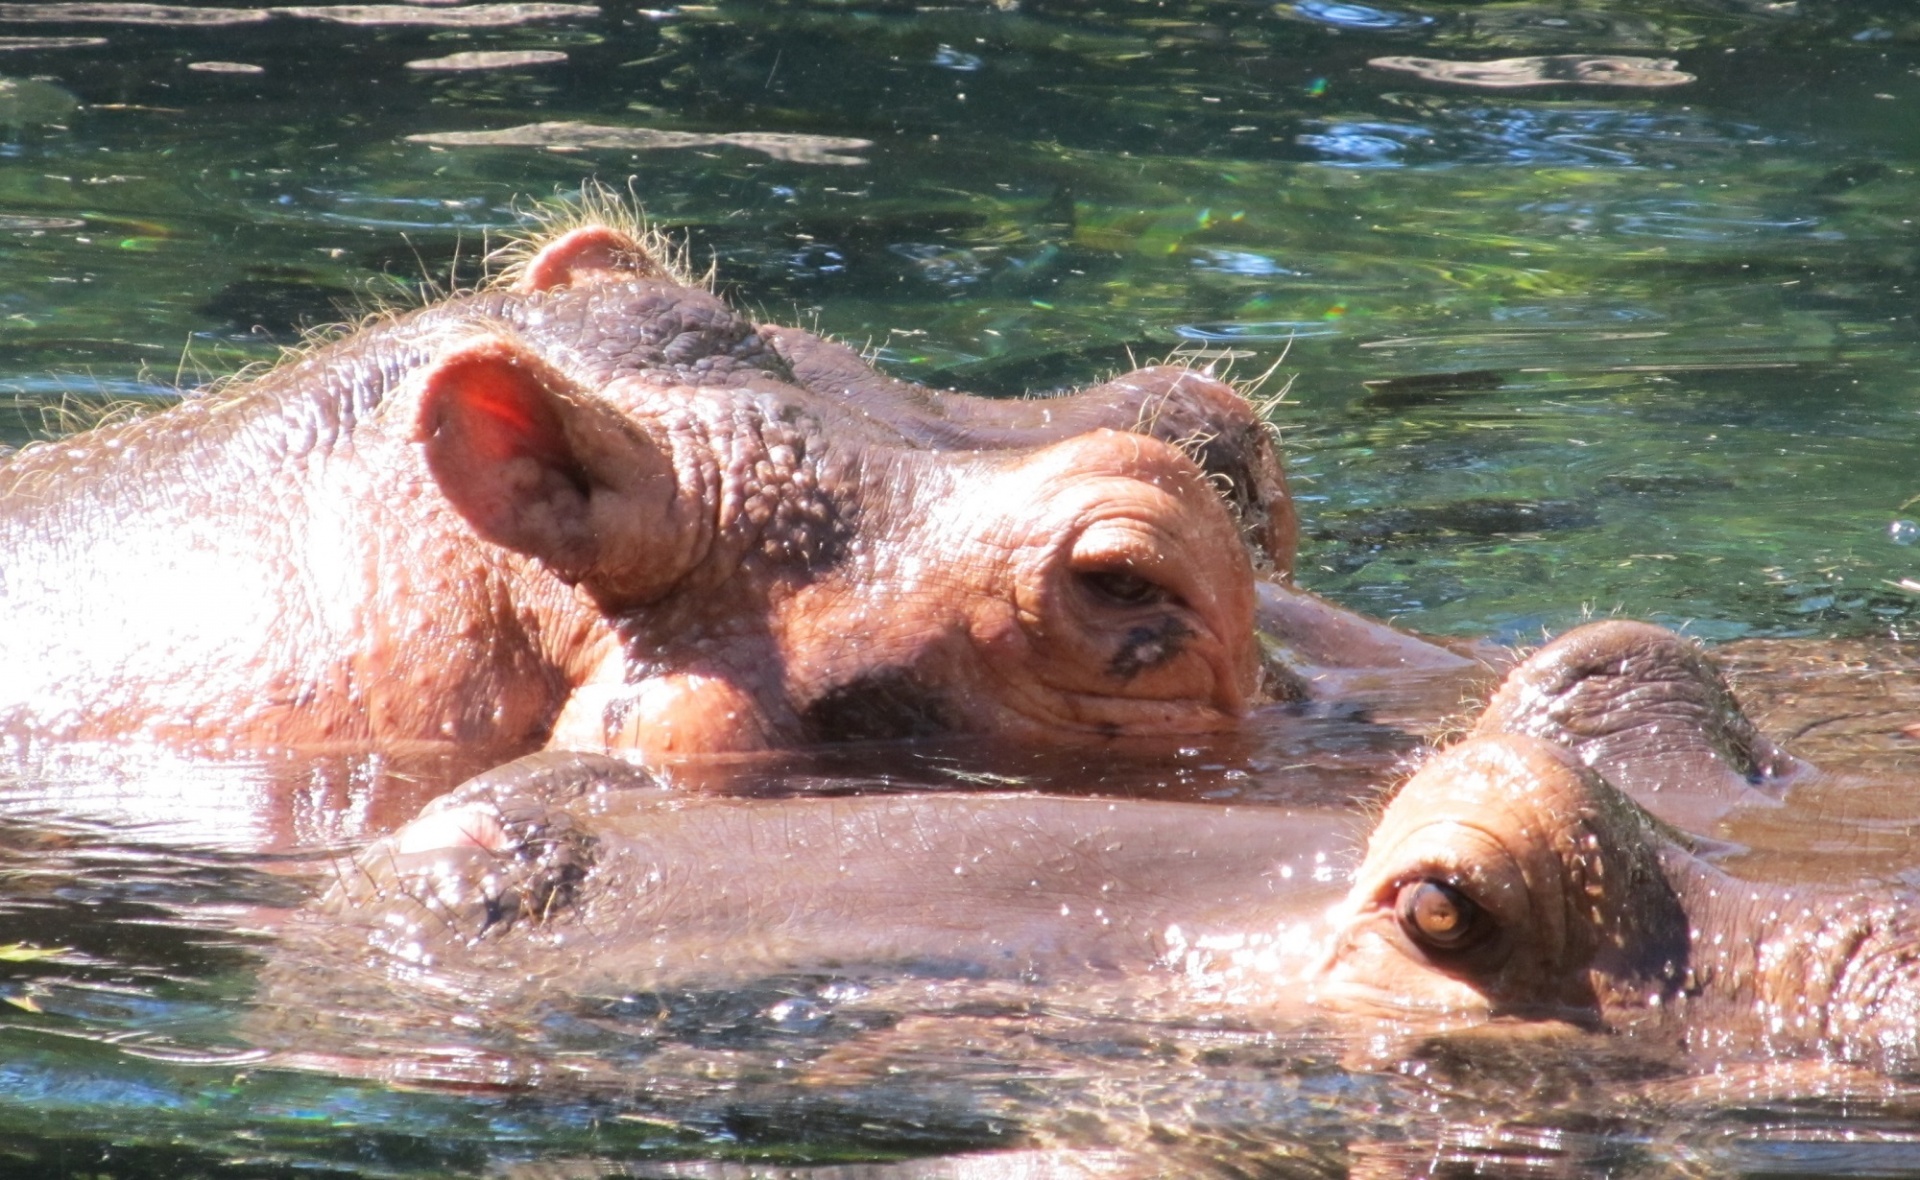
1642,350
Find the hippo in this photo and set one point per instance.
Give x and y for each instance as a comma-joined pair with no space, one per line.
1549,867
592,506
582,864
1506,878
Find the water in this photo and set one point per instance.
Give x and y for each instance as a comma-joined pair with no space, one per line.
1550,351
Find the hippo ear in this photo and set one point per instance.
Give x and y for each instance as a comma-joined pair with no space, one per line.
540,468
584,255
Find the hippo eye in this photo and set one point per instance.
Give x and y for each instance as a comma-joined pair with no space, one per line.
1123,588
1439,917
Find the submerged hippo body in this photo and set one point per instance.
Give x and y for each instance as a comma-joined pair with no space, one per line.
595,507
1506,878
574,872
1141,977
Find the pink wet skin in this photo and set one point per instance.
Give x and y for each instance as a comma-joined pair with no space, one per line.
440,830
577,874
597,509
1507,879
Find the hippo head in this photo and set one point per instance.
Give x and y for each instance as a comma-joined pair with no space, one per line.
1506,878
747,537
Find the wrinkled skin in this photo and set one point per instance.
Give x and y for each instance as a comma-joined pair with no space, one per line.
596,508
1506,878
1652,713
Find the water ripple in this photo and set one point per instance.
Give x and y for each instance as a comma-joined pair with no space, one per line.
489,60
949,58
1239,262
1561,69
945,265
1256,330
1358,16
791,147
1698,221
1534,135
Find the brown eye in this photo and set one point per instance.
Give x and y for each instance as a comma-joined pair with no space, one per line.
1439,917
1122,588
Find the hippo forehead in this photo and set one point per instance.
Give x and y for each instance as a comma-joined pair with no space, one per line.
601,332
670,351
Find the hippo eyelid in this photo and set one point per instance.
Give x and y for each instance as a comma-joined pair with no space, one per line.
1126,588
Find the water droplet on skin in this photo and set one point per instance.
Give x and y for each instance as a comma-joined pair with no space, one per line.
843,991
1904,532
799,1014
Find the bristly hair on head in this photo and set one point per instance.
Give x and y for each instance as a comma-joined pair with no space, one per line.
596,204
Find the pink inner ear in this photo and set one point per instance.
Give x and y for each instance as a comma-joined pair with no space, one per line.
580,253
497,444
504,411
